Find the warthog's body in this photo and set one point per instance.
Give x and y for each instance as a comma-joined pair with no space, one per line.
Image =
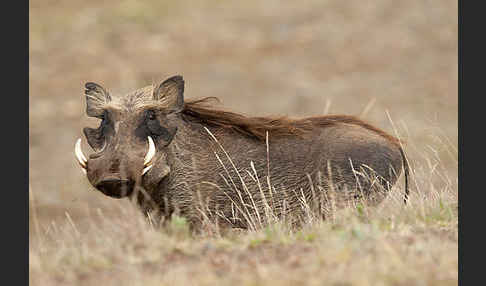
216,165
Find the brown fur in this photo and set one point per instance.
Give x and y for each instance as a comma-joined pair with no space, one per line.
200,111
228,174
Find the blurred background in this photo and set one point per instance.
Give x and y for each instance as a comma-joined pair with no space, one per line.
394,63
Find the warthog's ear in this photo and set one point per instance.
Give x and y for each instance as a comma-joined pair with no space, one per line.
171,93
96,97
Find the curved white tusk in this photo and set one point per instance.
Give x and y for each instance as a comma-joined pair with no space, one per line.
102,148
150,153
79,154
145,170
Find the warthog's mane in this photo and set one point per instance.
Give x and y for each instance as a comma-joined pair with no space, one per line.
201,111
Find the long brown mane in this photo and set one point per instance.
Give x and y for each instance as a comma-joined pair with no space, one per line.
201,111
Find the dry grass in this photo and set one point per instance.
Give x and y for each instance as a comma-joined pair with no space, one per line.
392,244
393,63
400,246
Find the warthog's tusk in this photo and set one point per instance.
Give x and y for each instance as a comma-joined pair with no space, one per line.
150,153
103,148
145,170
79,154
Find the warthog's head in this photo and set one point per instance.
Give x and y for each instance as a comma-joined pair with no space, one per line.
135,130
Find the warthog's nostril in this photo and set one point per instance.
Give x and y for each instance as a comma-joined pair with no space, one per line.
116,188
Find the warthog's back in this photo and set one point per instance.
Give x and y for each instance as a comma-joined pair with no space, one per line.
351,159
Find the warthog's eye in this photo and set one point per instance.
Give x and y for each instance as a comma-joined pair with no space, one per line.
105,122
151,126
104,118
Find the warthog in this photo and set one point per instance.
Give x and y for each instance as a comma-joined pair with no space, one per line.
205,164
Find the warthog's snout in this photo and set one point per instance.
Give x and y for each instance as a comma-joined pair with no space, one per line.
115,174
116,188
